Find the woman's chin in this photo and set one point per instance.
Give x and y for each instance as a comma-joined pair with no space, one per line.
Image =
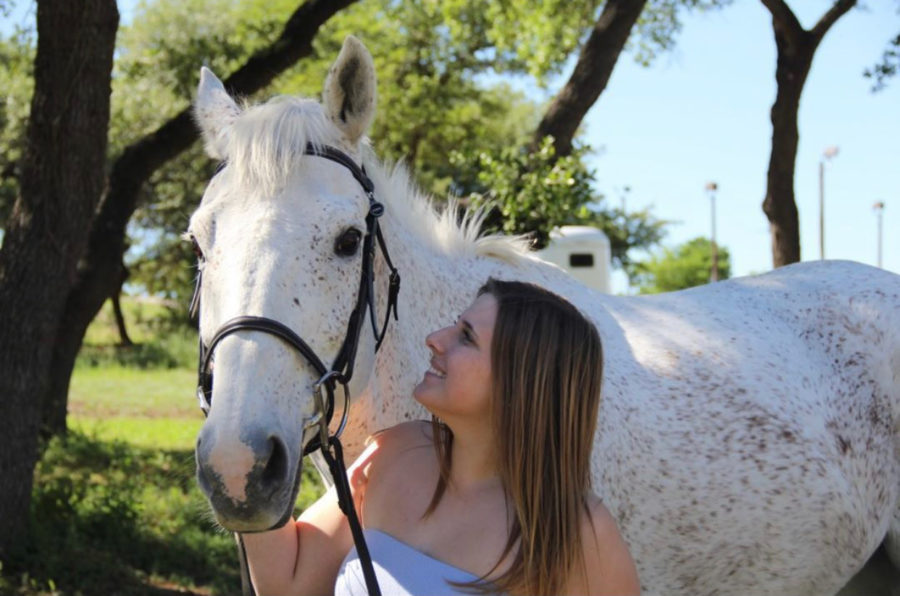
417,393
420,394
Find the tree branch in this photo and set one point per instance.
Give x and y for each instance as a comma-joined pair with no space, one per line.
140,159
839,9
591,74
785,19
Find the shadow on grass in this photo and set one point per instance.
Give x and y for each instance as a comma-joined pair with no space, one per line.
111,518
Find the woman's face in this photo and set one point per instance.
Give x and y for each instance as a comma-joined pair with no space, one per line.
458,383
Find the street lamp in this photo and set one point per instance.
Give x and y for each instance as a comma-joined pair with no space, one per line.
829,152
711,188
879,213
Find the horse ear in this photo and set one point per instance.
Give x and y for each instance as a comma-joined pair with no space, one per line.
349,94
214,111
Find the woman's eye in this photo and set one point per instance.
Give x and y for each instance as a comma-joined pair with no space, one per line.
347,243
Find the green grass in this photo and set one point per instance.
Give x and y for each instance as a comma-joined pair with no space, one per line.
152,433
115,507
160,335
116,391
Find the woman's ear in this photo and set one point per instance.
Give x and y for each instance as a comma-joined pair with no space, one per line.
349,94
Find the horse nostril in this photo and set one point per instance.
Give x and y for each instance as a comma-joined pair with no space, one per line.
274,473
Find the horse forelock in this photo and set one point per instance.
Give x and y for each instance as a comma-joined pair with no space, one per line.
269,139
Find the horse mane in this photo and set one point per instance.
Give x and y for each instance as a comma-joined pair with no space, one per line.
448,229
267,140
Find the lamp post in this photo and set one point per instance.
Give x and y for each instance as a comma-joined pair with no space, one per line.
879,213
829,152
711,188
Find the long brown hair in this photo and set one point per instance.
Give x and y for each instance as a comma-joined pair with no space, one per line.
546,368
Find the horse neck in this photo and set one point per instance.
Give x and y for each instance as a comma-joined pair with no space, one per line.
436,287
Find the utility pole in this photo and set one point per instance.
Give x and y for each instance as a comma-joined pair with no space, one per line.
829,152
711,188
879,213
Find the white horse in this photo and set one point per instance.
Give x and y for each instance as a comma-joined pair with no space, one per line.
748,441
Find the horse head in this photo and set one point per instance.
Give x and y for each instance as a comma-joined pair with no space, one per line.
280,235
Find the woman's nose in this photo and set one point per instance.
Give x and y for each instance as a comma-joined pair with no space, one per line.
434,340
431,341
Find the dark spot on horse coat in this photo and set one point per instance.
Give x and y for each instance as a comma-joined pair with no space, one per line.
297,302
844,444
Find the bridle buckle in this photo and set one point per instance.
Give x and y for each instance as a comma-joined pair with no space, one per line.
328,378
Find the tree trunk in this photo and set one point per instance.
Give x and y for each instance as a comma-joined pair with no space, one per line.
780,205
62,179
592,71
796,48
100,270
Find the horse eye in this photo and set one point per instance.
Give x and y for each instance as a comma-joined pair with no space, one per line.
196,248
348,242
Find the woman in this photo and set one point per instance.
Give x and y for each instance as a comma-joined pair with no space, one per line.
492,496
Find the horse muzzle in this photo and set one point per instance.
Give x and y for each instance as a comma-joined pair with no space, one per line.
252,482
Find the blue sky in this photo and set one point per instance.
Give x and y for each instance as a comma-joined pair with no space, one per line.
700,113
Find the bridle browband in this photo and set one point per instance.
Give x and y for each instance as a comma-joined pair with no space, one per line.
341,370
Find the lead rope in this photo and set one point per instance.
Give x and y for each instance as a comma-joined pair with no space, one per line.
345,501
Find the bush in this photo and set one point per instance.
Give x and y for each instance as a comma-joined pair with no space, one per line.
109,518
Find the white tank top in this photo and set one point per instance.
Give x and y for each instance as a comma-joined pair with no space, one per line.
401,570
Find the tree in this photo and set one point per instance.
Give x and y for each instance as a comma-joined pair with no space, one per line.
17,82
685,266
532,192
60,182
889,65
796,47
63,243
100,271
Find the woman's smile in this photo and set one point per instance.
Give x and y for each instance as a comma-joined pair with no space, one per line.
434,371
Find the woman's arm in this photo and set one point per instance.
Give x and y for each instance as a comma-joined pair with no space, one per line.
304,556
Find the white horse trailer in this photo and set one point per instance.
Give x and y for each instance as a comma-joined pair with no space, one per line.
583,252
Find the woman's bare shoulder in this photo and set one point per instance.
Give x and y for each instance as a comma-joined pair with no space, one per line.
415,433
609,567
388,447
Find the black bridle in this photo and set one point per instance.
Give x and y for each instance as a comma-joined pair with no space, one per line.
341,370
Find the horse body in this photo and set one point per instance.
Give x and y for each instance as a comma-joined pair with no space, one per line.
747,441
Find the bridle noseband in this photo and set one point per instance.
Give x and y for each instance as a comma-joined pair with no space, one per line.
341,370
